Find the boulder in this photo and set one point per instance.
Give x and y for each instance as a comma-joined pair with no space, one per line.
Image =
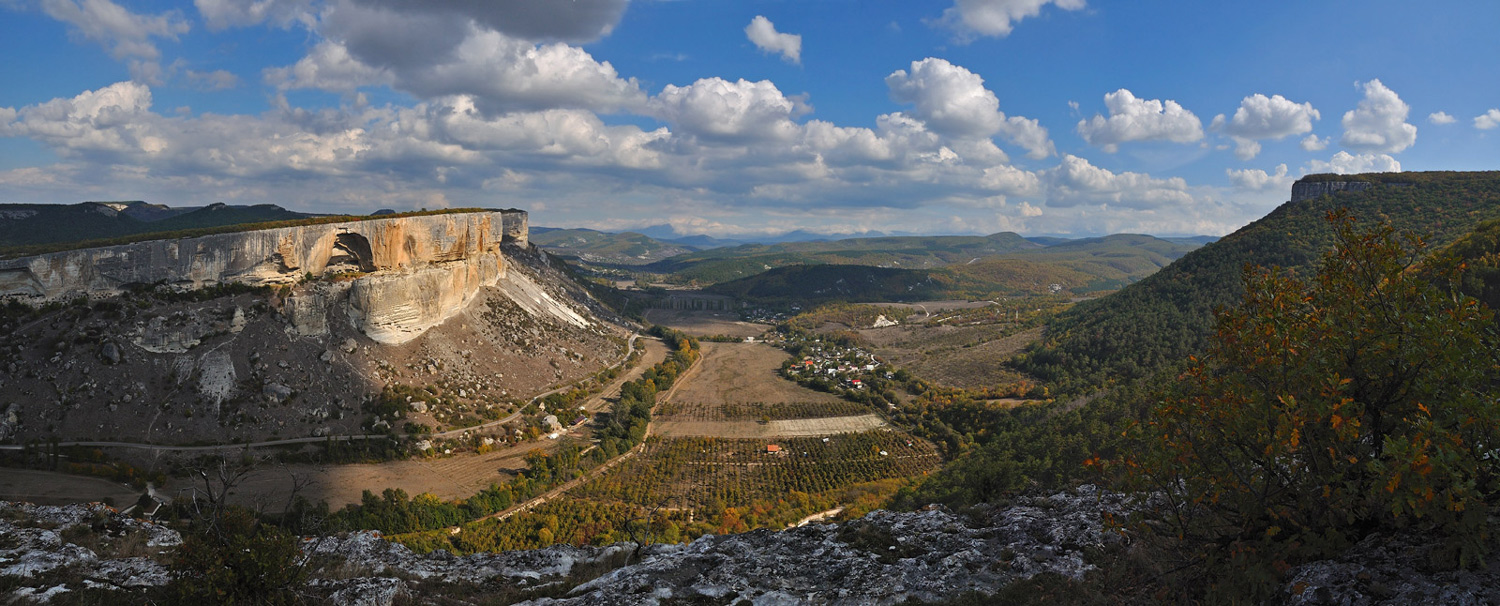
109,353
276,391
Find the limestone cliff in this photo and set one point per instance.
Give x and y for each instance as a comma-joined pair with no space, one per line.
1308,190
269,256
411,272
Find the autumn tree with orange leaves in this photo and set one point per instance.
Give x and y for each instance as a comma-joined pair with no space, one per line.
1326,409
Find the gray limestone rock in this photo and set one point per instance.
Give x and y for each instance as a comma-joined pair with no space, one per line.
1386,569
110,353
30,551
10,421
276,391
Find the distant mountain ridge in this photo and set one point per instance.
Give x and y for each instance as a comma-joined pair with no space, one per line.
623,248
1101,263
1071,267
34,224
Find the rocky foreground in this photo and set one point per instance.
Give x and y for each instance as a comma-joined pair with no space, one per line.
883,558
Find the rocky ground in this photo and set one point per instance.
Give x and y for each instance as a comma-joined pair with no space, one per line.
47,551
286,364
883,558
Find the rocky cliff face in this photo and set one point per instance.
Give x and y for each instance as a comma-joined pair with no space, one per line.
454,311
263,257
1308,190
413,272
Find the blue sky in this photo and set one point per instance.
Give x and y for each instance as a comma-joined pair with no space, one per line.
1070,117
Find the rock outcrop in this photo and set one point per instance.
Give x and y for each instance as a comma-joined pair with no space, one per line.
37,541
397,307
882,558
268,256
408,273
1309,190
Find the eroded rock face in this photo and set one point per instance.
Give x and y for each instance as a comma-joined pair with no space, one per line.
397,307
411,273
1307,190
271,256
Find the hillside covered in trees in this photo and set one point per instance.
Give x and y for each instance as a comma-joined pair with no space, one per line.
31,224
1077,267
1169,315
1095,263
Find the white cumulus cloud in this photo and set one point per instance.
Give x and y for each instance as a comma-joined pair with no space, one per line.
996,17
1487,120
573,20
128,36
1134,119
1314,143
1345,163
1252,179
115,119
717,109
328,66
1378,125
1030,135
763,34
454,49
1075,181
952,101
1441,118
1260,117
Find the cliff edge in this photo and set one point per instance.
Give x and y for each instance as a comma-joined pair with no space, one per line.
407,274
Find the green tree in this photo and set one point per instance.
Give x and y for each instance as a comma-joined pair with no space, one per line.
1327,409
236,559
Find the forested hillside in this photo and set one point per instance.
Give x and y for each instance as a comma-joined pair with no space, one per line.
1169,315
625,248
1067,266
33,224
912,252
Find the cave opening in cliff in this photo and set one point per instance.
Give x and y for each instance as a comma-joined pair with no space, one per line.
351,252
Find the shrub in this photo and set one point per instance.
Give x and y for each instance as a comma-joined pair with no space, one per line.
1328,409
236,559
